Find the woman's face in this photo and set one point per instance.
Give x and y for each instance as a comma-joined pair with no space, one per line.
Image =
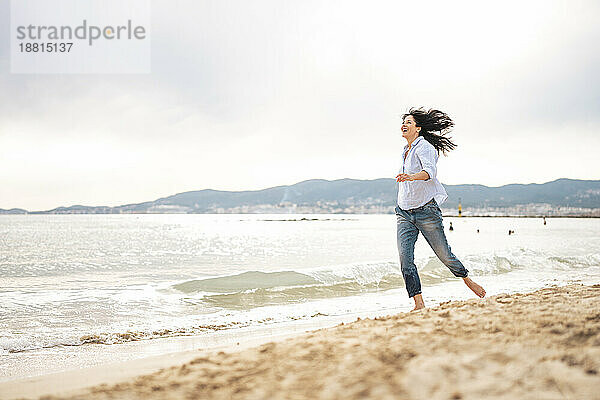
409,128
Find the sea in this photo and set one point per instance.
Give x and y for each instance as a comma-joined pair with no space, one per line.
82,290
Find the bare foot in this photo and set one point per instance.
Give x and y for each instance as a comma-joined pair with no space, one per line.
478,290
419,303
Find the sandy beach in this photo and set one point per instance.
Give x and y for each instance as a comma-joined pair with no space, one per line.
539,345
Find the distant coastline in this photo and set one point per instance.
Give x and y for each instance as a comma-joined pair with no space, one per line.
558,198
597,215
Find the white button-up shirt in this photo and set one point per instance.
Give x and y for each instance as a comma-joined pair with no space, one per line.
422,156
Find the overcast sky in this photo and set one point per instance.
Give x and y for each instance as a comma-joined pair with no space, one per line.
251,94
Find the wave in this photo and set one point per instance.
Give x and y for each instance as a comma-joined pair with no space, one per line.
19,345
264,297
256,289
233,295
577,261
246,281
234,301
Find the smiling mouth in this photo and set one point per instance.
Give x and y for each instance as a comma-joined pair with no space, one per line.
404,130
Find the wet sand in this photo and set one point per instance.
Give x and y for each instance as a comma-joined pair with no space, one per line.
539,345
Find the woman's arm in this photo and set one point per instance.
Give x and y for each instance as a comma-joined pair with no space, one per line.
419,176
428,157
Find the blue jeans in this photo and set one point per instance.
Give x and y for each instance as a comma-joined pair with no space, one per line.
426,219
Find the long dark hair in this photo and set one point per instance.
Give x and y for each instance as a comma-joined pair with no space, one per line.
430,122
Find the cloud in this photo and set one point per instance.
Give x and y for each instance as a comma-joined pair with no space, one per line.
245,95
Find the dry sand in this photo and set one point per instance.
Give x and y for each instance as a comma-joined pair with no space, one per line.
540,345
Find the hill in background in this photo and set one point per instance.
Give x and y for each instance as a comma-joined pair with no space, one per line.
559,197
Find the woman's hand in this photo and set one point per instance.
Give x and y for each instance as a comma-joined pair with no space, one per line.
404,178
419,176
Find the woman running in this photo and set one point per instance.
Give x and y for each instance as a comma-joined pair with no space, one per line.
419,197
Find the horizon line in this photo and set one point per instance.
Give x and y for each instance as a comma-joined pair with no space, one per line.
277,186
